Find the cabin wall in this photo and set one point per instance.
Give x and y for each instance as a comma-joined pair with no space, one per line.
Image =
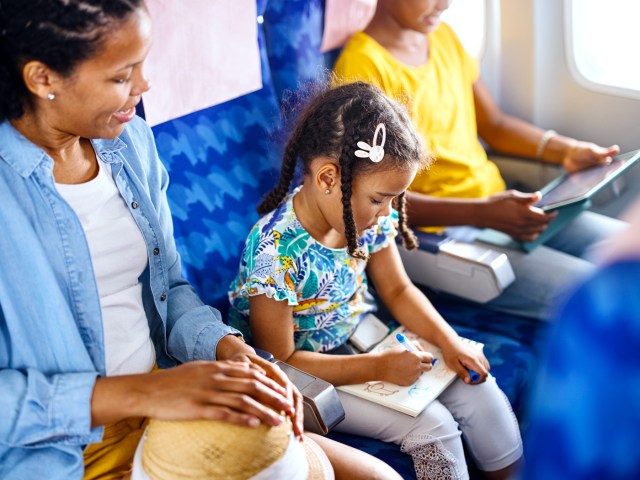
526,67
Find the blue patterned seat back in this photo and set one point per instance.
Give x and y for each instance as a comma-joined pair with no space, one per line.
293,31
221,162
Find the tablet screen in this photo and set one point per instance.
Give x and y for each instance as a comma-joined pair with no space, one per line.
579,185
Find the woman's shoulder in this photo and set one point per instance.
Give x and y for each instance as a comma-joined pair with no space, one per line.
448,52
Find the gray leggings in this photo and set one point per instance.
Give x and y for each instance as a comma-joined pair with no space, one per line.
481,414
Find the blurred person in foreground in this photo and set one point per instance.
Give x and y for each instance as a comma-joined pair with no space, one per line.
584,417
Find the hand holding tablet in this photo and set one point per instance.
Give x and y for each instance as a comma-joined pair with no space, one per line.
579,186
568,195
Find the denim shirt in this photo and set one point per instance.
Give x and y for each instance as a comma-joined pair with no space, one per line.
51,337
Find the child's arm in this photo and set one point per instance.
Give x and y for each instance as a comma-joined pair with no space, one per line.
272,330
513,136
510,211
413,310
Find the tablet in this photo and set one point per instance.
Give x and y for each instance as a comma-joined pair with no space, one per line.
579,186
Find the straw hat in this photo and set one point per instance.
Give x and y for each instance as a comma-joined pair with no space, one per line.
203,449
319,466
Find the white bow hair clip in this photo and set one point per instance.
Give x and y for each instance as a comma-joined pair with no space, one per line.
374,153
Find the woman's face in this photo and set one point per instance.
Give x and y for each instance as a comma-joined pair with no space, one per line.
372,195
419,15
100,96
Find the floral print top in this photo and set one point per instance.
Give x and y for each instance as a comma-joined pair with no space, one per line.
326,287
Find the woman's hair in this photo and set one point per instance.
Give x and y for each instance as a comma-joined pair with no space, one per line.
58,33
331,125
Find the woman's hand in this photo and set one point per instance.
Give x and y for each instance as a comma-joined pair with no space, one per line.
274,372
231,347
512,212
231,391
460,356
580,155
399,366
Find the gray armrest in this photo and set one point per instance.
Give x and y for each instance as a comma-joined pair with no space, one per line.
322,407
470,271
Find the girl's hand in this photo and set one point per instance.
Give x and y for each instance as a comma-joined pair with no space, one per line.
274,372
581,155
402,367
238,392
460,356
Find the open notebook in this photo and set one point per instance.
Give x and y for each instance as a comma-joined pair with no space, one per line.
412,399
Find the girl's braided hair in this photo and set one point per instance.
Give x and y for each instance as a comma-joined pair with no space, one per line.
331,125
59,33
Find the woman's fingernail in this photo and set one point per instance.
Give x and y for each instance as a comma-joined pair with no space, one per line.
253,422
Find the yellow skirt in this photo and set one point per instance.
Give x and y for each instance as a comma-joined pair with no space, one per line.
112,458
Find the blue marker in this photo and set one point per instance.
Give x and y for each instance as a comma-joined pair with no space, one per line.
475,376
410,347
405,343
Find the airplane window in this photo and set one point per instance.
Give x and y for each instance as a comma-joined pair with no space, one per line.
603,41
467,18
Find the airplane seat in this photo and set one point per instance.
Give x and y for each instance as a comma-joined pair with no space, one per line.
293,34
221,161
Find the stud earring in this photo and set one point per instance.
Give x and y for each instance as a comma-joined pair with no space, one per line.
51,96
327,191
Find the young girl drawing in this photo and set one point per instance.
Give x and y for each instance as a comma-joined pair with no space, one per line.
302,287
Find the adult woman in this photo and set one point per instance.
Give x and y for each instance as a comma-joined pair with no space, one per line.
91,295
81,341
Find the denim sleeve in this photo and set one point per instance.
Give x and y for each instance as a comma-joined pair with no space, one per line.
40,410
193,328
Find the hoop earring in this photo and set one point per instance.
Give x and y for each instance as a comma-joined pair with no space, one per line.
51,96
327,191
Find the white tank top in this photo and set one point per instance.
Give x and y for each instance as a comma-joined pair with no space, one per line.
119,257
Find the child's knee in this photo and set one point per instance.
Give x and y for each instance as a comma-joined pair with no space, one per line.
436,421
469,403
492,403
